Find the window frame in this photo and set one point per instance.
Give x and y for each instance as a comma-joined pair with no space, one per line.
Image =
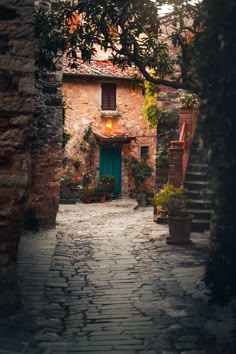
108,103
146,155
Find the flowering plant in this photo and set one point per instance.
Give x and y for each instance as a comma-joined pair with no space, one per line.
101,190
187,100
69,186
108,181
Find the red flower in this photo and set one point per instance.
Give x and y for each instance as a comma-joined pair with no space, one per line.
77,179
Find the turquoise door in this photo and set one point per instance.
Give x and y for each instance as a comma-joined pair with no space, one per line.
110,164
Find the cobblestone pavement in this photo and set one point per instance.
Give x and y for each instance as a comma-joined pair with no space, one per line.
105,281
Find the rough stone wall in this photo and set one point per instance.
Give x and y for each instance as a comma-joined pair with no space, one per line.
167,97
43,202
16,106
83,106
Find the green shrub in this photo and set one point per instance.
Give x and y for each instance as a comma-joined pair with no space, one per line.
172,199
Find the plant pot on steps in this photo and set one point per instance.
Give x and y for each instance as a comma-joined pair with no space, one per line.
179,229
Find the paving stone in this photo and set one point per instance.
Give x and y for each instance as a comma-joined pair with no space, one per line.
105,281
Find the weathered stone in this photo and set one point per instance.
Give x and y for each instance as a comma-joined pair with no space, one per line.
20,121
17,104
14,139
46,150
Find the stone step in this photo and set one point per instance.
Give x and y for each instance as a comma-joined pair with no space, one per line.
199,203
196,185
197,167
198,159
199,225
196,176
203,214
204,194
197,189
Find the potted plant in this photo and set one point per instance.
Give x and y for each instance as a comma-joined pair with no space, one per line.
69,188
187,100
109,182
101,191
173,200
86,195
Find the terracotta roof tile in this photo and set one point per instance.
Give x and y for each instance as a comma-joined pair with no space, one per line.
100,68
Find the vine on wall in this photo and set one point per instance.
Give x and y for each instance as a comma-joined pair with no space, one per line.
150,108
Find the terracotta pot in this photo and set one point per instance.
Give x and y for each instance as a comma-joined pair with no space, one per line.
88,200
179,229
162,212
102,199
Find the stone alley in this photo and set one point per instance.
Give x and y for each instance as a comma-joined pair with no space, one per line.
105,281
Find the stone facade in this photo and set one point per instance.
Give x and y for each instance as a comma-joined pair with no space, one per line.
16,107
83,106
167,97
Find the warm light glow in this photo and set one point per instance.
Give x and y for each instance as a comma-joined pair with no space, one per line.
109,124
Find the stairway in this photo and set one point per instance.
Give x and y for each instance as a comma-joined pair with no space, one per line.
197,190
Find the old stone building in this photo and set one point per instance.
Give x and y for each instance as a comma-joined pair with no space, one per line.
108,99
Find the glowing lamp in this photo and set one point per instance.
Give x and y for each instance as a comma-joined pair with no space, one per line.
109,124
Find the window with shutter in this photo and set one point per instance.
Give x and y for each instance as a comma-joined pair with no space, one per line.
108,97
144,152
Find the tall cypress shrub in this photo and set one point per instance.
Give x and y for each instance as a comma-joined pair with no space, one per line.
216,63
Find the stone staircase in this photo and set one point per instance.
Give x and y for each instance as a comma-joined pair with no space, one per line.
198,191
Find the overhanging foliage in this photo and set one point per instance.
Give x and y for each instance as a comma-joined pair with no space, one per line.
132,29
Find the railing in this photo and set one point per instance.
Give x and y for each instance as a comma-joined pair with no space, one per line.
183,132
178,158
179,150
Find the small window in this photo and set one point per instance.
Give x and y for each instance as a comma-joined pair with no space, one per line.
108,97
144,153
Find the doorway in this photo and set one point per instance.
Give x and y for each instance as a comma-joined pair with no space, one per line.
110,164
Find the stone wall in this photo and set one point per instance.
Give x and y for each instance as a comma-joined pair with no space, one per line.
83,106
16,106
43,202
166,98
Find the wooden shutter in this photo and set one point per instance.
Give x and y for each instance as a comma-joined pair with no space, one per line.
108,97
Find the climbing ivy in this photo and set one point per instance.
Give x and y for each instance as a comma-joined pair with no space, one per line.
150,108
